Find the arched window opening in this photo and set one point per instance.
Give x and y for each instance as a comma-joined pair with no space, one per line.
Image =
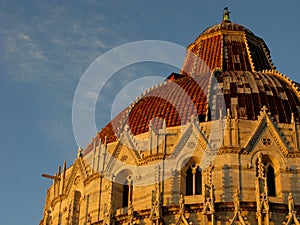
189,182
127,192
198,181
271,181
125,197
266,169
193,180
122,190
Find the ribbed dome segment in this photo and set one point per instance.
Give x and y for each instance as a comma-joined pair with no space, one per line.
245,94
229,47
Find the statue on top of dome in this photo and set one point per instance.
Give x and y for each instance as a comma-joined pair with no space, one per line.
226,15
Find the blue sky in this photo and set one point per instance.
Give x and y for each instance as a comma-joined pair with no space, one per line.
47,45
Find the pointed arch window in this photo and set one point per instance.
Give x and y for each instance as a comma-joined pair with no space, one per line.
127,191
193,180
125,195
271,180
198,182
189,182
122,190
269,173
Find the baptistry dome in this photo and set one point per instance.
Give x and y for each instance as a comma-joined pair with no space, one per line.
240,63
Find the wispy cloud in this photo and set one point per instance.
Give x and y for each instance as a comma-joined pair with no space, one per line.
44,40
58,42
33,49
21,45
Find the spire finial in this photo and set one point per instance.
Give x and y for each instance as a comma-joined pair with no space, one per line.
226,16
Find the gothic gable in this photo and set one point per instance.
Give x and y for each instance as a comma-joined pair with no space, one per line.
121,153
77,176
267,134
191,141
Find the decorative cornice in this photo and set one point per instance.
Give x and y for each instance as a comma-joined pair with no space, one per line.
151,158
249,52
229,150
267,53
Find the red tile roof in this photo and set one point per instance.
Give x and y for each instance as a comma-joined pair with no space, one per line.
174,101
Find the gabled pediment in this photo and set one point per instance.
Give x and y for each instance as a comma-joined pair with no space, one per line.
77,176
193,143
266,129
121,154
191,136
128,139
125,154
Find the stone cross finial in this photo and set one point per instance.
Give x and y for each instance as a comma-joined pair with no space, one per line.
264,110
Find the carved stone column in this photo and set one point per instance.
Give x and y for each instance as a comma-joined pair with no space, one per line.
261,194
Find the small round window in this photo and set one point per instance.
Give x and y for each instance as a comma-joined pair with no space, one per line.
266,141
